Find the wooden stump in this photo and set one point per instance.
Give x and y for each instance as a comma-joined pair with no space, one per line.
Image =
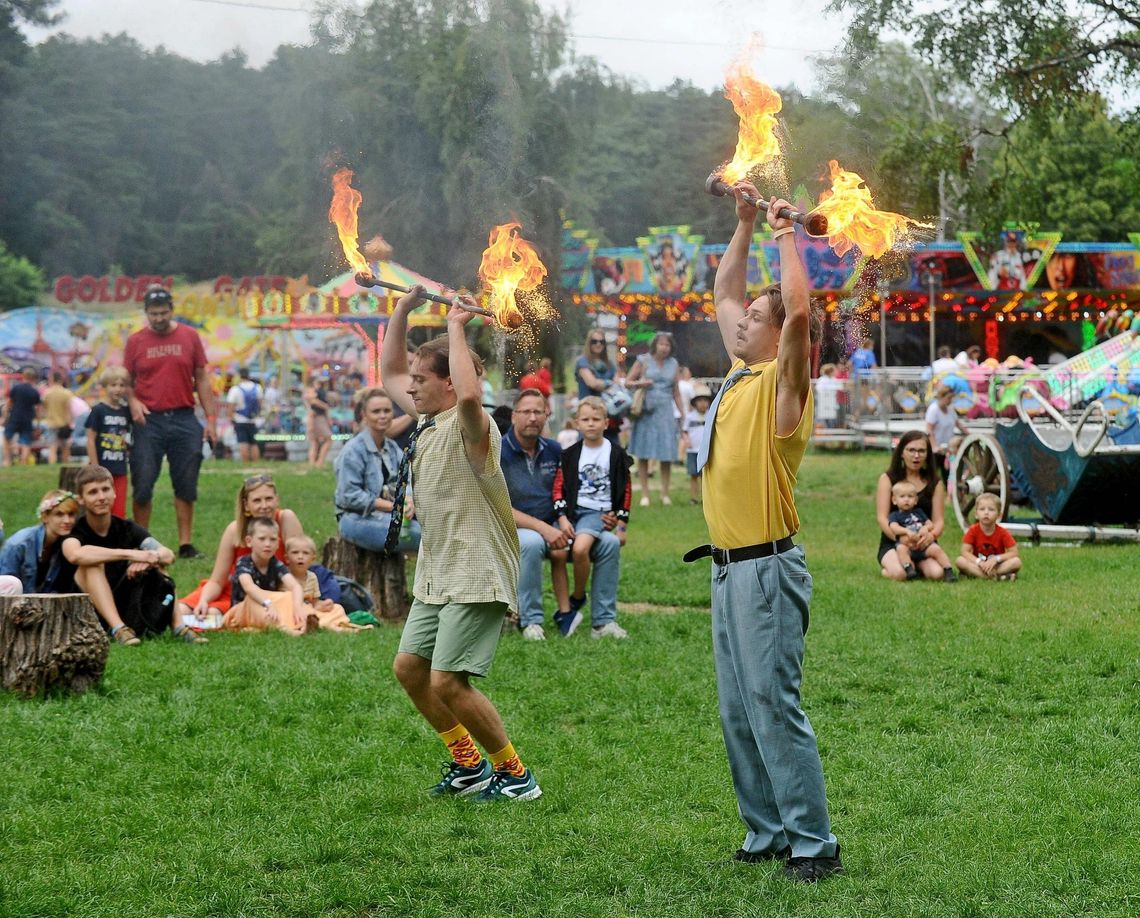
50,641
382,575
67,476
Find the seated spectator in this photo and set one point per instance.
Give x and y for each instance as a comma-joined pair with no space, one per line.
31,560
256,497
592,491
366,477
911,461
301,552
989,552
910,519
120,566
265,595
530,462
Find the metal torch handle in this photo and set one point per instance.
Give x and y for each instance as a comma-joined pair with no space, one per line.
815,224
375,283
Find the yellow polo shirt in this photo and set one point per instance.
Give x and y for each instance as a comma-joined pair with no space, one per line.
751,473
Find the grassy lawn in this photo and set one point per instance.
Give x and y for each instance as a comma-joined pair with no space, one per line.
979,742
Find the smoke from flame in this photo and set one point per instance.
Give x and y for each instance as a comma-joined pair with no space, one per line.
509,265
852,219
342,212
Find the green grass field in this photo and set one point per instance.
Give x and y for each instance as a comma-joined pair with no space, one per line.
979,742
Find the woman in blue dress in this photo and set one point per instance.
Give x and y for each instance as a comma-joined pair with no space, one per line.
655,434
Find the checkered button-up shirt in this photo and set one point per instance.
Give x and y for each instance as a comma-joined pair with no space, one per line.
470,547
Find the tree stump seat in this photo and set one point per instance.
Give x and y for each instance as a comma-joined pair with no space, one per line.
383,576
50,641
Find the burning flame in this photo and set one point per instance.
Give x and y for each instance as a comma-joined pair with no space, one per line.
509,265
756,105
342,212
852,219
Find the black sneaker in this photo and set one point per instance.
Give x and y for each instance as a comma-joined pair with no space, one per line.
948,575
188,552
813,869
761,857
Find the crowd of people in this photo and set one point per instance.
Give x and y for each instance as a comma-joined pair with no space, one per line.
485,501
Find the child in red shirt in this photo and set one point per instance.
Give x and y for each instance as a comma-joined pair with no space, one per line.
988,550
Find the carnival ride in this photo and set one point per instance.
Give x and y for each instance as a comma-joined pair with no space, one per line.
1064,452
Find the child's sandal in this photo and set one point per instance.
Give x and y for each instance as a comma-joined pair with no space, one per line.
125,635
189,636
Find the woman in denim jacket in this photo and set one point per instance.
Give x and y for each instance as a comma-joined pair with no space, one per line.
366,476
31,560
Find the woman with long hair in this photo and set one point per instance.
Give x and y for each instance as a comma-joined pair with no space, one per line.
257,497
912,460
595,372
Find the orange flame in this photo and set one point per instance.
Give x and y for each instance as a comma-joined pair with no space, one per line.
852,219
342,212
509,264
756,105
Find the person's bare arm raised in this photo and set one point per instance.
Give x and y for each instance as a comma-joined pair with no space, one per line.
473,420
793,362
730,290
394,351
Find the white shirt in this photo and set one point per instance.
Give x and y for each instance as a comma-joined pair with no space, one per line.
236,397
827,389
686,386
944,365
943,424
695,428
594,491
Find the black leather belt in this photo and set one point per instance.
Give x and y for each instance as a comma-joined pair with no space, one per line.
724,556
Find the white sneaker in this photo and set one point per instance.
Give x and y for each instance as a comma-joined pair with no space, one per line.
644,501
534,633
665,501
609,629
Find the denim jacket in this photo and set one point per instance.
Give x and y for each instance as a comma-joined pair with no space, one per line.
20,557
361,471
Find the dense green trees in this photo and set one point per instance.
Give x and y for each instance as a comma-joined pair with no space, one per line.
457,115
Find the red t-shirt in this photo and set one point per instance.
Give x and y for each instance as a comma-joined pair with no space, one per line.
986,546
162,366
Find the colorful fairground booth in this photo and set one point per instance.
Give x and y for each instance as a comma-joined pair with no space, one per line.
1029,293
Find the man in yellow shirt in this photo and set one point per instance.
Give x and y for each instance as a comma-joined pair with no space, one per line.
57,411
757,430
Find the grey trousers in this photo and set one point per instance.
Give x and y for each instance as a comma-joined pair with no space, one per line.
759,618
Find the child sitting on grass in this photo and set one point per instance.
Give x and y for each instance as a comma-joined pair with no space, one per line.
909,519
592,493
301,552
988,550
265,594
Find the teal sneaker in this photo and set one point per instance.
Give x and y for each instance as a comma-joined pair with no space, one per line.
459,780
505,786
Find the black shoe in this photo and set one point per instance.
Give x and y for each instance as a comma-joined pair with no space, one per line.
188,552
761,857
948,575
813,869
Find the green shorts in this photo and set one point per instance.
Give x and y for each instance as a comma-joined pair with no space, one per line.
458,637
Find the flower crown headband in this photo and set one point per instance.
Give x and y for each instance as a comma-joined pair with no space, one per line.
50,503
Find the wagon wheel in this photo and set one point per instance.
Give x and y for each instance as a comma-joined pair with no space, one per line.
979,466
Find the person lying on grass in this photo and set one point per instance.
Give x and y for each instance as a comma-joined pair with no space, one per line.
988,550
121,566
265,595
256,497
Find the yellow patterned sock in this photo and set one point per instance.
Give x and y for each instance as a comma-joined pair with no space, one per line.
459,744
506,759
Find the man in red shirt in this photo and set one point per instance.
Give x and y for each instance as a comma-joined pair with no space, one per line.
167,363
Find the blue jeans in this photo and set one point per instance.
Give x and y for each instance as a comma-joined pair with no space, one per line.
370,532
759,618
606,558
175,434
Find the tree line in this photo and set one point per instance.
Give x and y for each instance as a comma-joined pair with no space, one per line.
457,116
